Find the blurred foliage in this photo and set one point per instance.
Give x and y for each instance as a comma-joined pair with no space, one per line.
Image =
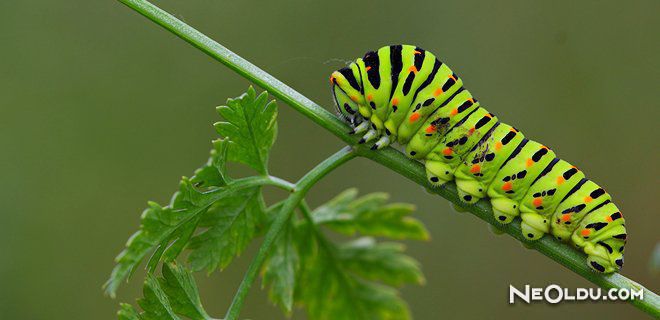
655,260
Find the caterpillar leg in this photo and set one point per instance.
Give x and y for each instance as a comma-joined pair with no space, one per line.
534,225
362,127
470,191
438,172
370,135
383,142
504,209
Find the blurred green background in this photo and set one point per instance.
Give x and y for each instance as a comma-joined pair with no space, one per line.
101,110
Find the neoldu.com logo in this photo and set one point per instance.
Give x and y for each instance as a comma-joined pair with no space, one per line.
555,294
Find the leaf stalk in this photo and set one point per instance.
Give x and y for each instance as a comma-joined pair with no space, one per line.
290,204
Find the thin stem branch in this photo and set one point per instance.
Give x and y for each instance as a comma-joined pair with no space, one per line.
388,157
282,184
290,204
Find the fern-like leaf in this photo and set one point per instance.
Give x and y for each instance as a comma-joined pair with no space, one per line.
173,295
279,272
370,215
351,280
230,224
249,131
250,124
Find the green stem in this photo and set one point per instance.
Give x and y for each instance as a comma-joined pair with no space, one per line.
388,157
282,184
291,203
241,66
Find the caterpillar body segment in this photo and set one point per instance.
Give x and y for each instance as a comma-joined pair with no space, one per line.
404,94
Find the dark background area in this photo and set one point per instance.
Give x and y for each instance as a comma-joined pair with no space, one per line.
101,110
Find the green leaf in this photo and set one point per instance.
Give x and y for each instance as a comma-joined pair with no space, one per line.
251,127
173,295
179,285
162,225
214,172
155,302
127,312
383,262
370,215
352,280
279,270
231,224
167,230
329,290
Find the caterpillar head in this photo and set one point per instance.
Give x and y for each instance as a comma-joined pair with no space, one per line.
347,91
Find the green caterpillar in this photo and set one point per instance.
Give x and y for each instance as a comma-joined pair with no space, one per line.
403,94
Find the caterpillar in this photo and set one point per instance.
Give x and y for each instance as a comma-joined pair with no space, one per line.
404,94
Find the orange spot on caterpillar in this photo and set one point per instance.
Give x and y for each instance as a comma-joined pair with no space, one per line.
585,232
417,52
453,112
452,77
413,69
430,129
507,186
544,147
370,97
566,217
471,131
560,180
529,162
513,130
475,168
498,146
537,201
587,199
395,101
489,115
354,98
447,151
437,92
368,68
332,79
414,117
608,219
471,100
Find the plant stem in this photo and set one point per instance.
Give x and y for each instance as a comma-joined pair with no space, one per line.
388,157
291,203
282,184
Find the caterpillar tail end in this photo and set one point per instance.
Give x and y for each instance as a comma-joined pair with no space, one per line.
600,260
601,265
